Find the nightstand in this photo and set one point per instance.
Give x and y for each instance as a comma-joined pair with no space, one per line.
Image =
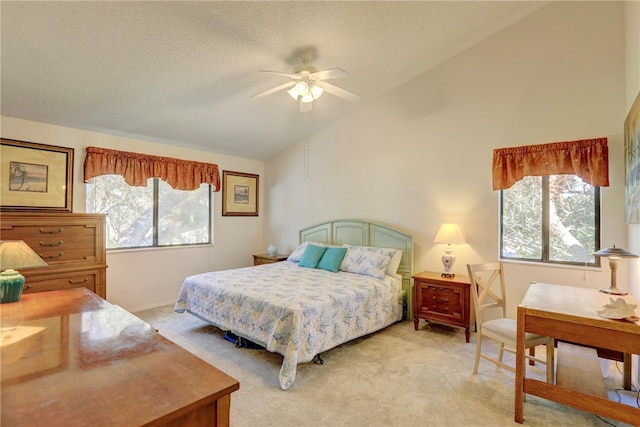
268,259
445,300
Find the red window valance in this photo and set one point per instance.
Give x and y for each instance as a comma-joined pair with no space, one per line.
136,168
587,158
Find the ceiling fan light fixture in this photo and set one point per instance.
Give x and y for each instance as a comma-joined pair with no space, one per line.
293,93
308,84
316,91
302,88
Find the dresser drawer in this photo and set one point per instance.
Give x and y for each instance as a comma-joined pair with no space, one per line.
58,244
91,279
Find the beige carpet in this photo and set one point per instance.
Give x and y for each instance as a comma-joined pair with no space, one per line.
396,377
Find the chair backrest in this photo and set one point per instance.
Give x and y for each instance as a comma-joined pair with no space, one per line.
487,289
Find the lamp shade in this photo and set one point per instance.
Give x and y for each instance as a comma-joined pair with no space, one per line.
15,254
615,253
449,234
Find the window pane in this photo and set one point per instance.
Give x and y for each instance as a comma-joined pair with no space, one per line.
522,219
129,210
571,220
183,216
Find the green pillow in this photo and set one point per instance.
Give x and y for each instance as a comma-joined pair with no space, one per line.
332,258
311,256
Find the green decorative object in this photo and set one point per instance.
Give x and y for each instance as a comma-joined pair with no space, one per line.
15,254
11,285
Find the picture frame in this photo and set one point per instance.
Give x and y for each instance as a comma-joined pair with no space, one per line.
240,192
35,177
632,163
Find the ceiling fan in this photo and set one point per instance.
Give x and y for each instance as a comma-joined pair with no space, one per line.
308,84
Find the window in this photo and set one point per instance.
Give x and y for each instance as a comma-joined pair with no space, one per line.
550,219
151,216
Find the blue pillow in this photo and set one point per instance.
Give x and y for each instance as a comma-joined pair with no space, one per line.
331,259
311,256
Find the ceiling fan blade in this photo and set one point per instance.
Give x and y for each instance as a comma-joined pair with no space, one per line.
305,107
291,76
286,85
334,73
342,93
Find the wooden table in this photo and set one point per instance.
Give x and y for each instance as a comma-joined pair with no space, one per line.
570,314
71,358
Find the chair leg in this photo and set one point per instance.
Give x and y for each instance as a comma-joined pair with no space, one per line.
478,350
501,352
532,353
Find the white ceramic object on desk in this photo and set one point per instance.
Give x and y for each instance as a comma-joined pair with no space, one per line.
619,309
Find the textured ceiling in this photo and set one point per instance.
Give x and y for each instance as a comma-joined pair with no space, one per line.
183,73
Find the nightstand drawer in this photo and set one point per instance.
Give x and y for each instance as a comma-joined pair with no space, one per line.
443,301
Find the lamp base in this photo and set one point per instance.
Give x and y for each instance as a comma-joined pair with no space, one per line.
11,285
613,291
448,260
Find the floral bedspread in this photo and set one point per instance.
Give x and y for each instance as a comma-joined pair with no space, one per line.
294,311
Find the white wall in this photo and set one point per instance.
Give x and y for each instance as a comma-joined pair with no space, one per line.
632,56
421,155
138,279
632,62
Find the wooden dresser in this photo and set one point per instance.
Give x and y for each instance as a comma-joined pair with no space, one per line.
72,244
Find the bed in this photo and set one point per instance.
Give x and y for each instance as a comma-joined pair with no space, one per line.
302,311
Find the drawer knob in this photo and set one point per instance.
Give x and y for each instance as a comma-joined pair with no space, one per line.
77,282
41,243
59,230
51,256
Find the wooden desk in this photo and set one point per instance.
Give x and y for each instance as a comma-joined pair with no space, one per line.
570,313
71,358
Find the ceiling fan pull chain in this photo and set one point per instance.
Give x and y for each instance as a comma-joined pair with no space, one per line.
306,146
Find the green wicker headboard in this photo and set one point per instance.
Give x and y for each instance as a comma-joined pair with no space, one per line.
364,233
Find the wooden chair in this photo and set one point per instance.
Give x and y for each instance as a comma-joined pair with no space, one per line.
489,297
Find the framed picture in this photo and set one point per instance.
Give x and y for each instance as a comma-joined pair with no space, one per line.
632,163
239,194
35,177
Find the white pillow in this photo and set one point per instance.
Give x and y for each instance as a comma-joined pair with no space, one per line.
396,259
367,260
297,253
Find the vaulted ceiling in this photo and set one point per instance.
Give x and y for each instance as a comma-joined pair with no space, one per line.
184,73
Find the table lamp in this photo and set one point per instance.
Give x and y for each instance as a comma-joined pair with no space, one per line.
614,254
451,235
15,254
